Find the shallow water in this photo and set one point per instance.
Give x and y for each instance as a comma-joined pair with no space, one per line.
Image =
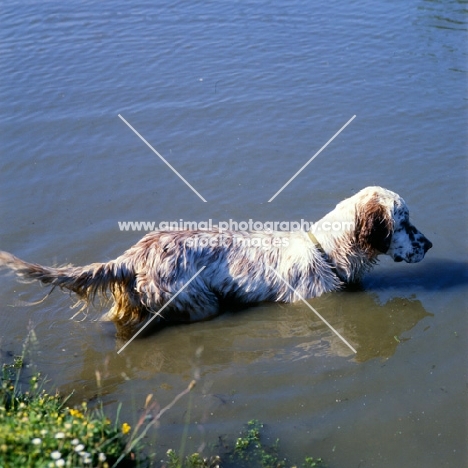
238,96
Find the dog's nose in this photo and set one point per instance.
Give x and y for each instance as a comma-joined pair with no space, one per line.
427,244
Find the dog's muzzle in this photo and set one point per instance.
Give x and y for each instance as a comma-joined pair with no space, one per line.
420,248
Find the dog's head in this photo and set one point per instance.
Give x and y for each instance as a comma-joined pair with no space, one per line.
407,243
383,227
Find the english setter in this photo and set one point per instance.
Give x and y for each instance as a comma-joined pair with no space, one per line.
279,267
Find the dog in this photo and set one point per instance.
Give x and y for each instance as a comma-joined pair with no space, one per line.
184,276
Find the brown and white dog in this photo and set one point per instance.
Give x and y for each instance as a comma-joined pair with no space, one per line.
241,266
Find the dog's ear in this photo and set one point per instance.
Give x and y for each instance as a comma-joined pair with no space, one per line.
374,227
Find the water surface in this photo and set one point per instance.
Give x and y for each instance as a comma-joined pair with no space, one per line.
237,96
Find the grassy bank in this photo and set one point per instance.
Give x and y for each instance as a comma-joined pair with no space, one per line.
38,429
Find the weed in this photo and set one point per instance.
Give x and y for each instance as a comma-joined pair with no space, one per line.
250,451
247,452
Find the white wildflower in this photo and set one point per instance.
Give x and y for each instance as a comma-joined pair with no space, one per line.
56,455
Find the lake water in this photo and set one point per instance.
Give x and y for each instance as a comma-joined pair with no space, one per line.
238,96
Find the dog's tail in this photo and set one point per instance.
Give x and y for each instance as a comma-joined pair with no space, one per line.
85,281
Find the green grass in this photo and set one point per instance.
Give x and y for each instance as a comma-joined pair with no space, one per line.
38,429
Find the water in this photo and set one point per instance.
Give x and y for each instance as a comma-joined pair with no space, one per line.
237,96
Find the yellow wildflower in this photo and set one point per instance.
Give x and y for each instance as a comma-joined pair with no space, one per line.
76,413
126,428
